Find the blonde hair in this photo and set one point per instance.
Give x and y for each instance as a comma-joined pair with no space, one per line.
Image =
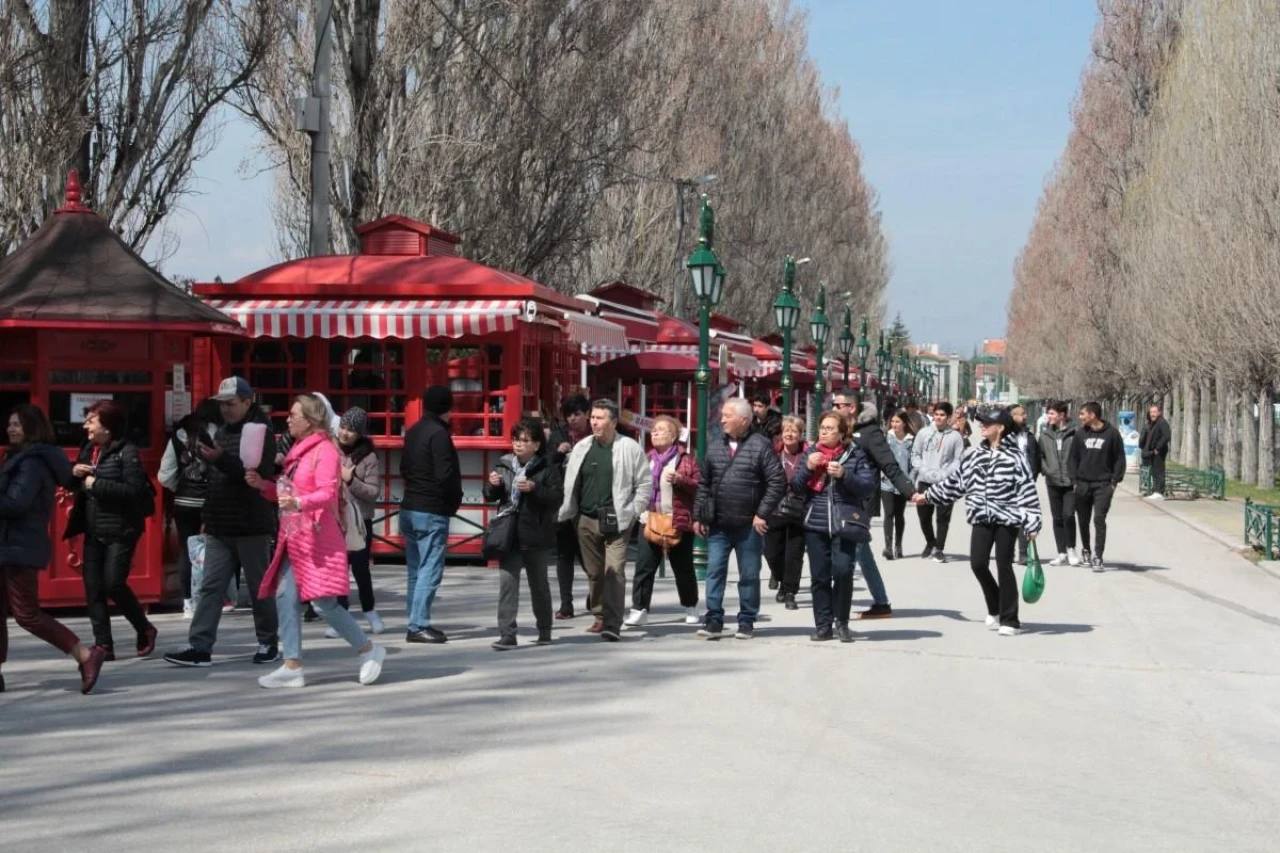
795,421
314,412
671,422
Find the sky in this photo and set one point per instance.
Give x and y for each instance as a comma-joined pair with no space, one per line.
961,108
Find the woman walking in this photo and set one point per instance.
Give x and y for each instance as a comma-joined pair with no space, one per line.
1000,499
675,482
185,474
527,483
33,469
784,543
362,473
310,562
113,500
836,474
892,502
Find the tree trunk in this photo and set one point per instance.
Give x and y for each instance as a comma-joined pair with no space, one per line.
1231,432
1175,421
1206,424
1190,433
1266,443
1248,441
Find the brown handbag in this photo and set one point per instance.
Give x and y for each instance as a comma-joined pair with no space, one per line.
661,530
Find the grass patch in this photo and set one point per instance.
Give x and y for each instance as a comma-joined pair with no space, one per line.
1237,490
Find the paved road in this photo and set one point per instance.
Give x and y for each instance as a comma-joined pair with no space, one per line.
1140,713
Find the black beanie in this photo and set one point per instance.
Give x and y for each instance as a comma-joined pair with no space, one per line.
438,399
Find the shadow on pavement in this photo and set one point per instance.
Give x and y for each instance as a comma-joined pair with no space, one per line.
1046,628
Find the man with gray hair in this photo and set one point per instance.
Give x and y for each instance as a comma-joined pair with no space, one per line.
741,486
607,485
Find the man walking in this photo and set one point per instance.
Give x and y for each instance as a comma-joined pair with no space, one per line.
869,436
742,484
935,454
575,410
1096,464
607,485
432,495
1154,443
239,524
1055,446
842,404
767,421
1030,451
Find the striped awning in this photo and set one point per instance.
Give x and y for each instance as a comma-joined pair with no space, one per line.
595,333
409,318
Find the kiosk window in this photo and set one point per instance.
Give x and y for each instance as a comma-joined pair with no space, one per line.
370,374
277,370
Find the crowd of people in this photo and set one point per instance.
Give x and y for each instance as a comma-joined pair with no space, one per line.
292,514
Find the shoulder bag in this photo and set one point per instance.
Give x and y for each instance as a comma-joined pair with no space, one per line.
850,523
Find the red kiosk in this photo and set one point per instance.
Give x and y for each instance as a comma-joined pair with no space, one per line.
374,329
83,319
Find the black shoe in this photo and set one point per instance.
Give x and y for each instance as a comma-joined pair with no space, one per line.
711,631
1,683
782,596
927,553
897,552
773,583
503,643
939,557
822,634
544,639
426,635
843,634
877,611
565,613
310,615
610,635
887,553
791,601
189,657
269,653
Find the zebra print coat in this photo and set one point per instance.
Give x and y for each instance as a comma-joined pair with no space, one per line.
996,486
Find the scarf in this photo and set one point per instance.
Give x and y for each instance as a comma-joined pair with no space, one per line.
818,478
658,461
518,471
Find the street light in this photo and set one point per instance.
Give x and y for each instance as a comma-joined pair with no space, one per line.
819,328
885,366
683,184
707,276
864,349
786,310
846,345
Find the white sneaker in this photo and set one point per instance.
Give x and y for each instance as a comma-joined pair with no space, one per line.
283,677
375,622
188,608
1155,496
371,664
1059,560
993,622
637,619
691,616
331,633
1009,631
1073,556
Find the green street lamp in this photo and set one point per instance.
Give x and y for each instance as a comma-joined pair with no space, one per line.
885,365
707,276
786,310
864,349
819,329
846,345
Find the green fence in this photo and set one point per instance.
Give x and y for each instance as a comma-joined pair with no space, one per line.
1188,483
1261,528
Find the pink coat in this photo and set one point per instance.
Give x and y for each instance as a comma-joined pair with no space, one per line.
316,549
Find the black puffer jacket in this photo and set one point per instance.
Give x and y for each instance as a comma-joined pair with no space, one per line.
112,510
429,468
869,437
745,485
28,480
233,507
536,515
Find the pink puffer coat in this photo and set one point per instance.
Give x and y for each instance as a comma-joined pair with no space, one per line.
316,549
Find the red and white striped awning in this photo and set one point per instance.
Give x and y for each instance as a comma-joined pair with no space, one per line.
596,334
409,318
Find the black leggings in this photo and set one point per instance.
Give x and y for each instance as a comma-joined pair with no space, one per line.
894,507
106,576
360,561
784,552
1002,597
649,558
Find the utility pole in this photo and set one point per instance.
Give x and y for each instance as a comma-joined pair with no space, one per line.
312,117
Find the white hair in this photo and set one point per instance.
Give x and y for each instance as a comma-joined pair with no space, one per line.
740,406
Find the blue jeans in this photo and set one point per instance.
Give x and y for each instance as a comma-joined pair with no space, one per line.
289,608
830,577
748,545
425,537
871,574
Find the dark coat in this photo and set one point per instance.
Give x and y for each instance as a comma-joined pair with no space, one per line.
536,515
1055,446
859,483
113,509
771,427
869,437
233,507
747,485
29,478
1155,438
429,467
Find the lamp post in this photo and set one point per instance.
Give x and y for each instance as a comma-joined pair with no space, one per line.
864,349
819,328
846,346
886,375
786,310
707,277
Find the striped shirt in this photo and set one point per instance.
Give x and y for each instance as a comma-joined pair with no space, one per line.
996,486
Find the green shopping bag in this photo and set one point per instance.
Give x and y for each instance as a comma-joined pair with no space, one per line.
1033,577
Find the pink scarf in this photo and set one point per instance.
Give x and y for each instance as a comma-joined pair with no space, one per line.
818,478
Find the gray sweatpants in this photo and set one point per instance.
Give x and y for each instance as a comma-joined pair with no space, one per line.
222,556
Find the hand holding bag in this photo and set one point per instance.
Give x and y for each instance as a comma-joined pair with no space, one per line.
850,523
1033,577
660,530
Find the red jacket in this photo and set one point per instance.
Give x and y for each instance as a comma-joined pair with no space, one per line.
683,489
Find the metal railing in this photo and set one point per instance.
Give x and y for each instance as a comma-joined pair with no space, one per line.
391,509
1188,483
1261,528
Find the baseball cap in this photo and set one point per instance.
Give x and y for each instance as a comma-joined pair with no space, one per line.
233,387
995,416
